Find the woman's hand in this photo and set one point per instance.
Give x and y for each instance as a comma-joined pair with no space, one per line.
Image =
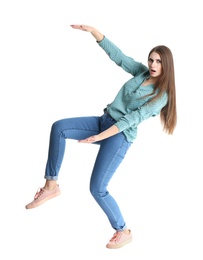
113,130
83,27
97,35
89,140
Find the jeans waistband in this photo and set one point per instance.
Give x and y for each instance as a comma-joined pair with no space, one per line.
105,112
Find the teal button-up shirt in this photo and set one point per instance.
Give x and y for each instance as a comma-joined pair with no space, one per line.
130,106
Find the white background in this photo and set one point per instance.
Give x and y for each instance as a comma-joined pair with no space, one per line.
49,71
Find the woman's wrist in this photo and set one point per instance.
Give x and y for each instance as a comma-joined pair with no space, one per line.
97,35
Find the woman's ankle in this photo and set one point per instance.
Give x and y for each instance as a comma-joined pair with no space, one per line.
126,231
50,184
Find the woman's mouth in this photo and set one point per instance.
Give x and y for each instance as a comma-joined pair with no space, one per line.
153,71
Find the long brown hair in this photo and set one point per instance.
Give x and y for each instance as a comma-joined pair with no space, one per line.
166,83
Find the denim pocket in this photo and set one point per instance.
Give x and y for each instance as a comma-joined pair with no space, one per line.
106,121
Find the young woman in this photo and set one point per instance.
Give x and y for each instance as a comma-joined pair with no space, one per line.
149,92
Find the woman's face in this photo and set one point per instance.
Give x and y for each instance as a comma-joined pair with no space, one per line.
154,65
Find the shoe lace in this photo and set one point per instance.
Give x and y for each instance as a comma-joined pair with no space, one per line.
38,193
116,236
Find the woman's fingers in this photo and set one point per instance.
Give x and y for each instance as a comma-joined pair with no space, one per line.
81,27
90,139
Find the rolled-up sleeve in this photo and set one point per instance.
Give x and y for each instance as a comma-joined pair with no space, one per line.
142,113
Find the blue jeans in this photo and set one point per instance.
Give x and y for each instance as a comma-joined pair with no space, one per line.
111,153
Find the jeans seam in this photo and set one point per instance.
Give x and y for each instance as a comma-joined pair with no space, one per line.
114,216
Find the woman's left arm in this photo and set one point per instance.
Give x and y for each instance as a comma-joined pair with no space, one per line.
142,113
113,130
